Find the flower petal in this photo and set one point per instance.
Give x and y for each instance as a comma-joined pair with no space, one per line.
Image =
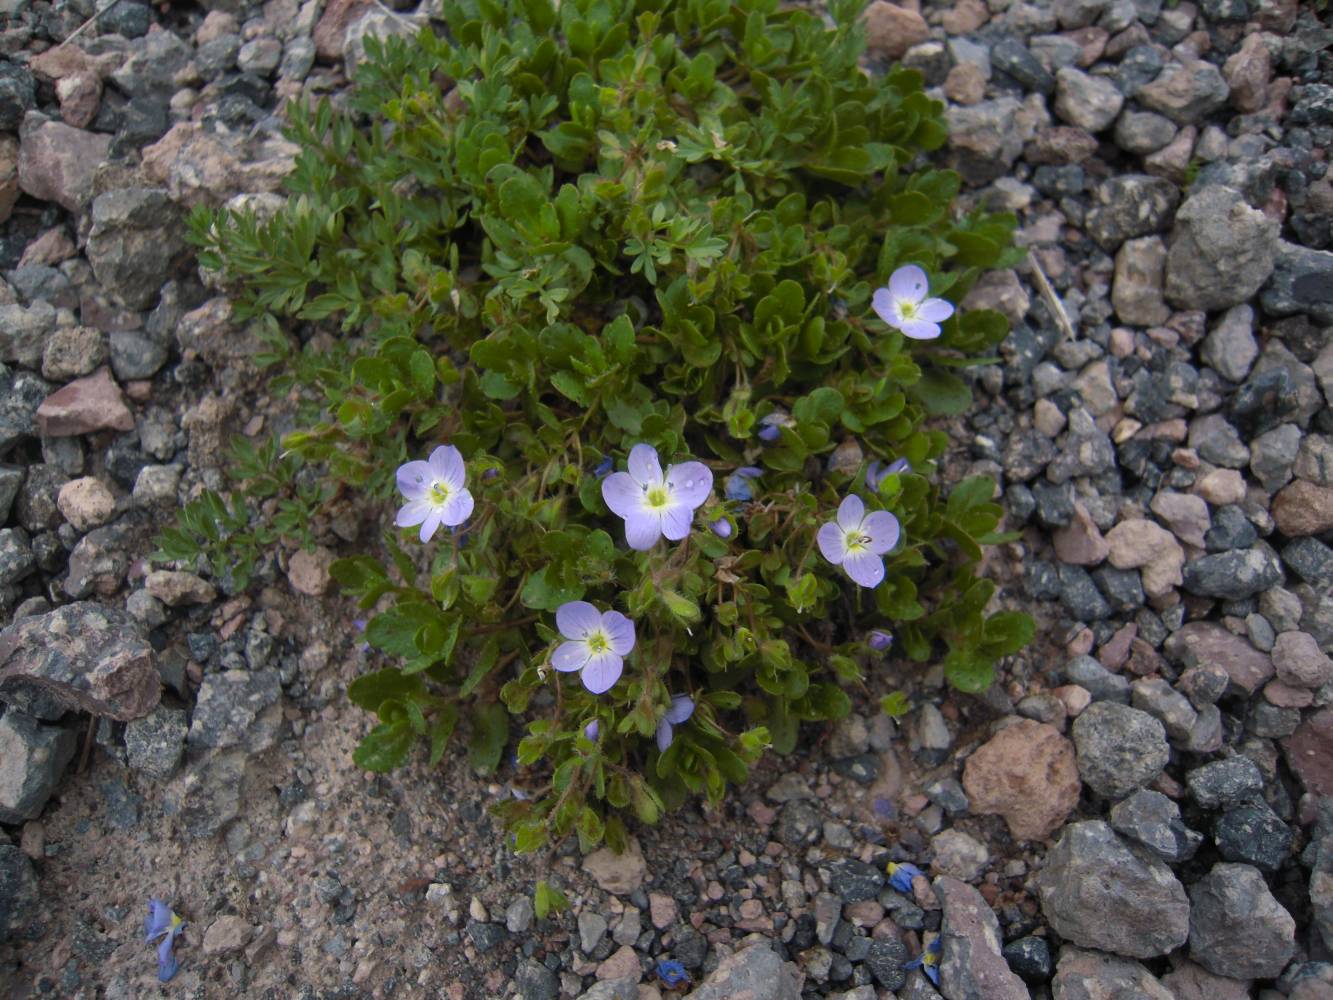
909,283
412,513
865,568
883,529
882,303
851,512
457,509
622,494
602,671
934,310
644,466
832,543
577,619
664,735
919,329
676,521
619,632
431,524
570,656
682,707
414,479
642,531
157,922
166,960
446,462
689,483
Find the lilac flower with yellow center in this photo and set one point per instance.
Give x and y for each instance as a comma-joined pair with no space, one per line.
928,961
682,707
857,540
654,503
435,492
876,471
597,644
163,923
904,306
901,874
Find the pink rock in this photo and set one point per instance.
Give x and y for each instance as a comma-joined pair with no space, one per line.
1080,543
971,928
892,30
1309,752
662,909
1285,696
1300,662
1208,643
49,249
80,96
623,964
1146,545
1186,515
1115,651
965,17
1247,72
57,162
331,30
1221,487
85,405
309,571
1027,772
1303,508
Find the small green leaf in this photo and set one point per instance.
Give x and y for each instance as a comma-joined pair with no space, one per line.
490,733
385,747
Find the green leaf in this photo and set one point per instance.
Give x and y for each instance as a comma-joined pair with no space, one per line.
968,670
490,733
942,393
385,747
446,719
547,899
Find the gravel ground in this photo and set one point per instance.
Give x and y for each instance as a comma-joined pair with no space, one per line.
1140,807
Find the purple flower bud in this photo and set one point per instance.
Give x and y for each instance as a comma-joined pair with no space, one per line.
738,483
721,527
769,432
899,465
592,730
879,640
490,474
604,468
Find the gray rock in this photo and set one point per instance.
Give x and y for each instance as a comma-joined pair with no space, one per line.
1153,820
1280,389
154,61
799,824
32,758
884,959
1230,349
1224,782
88,657
21,393
155,743
1237,929
136,355
38,505
1185,91
854,881
207,795
1143,132
1092,975
534,981
519,915
20,899
755,972
1136,288
1092,872
985,139
1273,454
23,334
1218,442
1130,206
592,929
1231,529
1087,450
1103,685
1301,282
971,966
99,562
135,244
1120,749
1164,703
11,479
613,989
1012,57
18,93
16,558
1233,575
1220,252
238,708
1251,833
1087,102
1312,561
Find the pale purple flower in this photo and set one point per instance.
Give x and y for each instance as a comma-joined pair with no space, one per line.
682,707
904,306
163,923
857,540
655,504
604,468
721,527
876,471
901,874
770,427
592,730
598,643
435,492
738,483
879,640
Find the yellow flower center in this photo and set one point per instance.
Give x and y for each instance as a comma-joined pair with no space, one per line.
439,494
856,541
597,643
906,309
656,496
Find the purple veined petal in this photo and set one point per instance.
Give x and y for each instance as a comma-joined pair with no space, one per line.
722,528
602,671
592,730
909,283
865,568
665,736
676,521
898,465
569,656
158,921
412,513
875,473
457,509
883,529
879,640
934,310
919,329
682,707
431,524
645,468
167,963
851,512
622,494
769,433
882,303
832,543
750,471
690,483
619,632
446,462
577,619
642,530
414,479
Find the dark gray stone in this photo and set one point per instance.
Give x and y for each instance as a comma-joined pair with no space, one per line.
1237,929
799,824
135,244
1103,685
32,759
1230,529
16,558
1233,575
1153,820
238,708
155,743
535,981
1129,206
20,898
1251,833
18,94
1087,451
884,960
1123,588
853,881
1301,282
1012,58
1030,957
1311,560
1120,749
1080,595
20,394
1224,782
485,935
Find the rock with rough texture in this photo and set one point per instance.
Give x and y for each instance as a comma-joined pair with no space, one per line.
20,899
1120,749
330,32
1300,662
1188,981
1185,514
1237,929
1303,508
754,973
207,796
1309,752
32,758
227,935
971,964
237,708
88,657
1027,773
1090,873
57,162
1136,287
1230,349
1153,820
175,588
1087,102
1130,206
987,138
1147,546
1233,575
155,743
135,244
1221,250
85,405
1093,975
619,874
1302,281
892,30
73,351
959,855
1208,644
24,334
1185,91
86,503
1080,542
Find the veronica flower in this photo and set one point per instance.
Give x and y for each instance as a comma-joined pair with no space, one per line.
435,492
163,923
876,471
901,874
928,961
592,730
682,707
879,640
604,468
672,974
738,483
857,540
904,306
721,527
598,643
655,504
770,427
